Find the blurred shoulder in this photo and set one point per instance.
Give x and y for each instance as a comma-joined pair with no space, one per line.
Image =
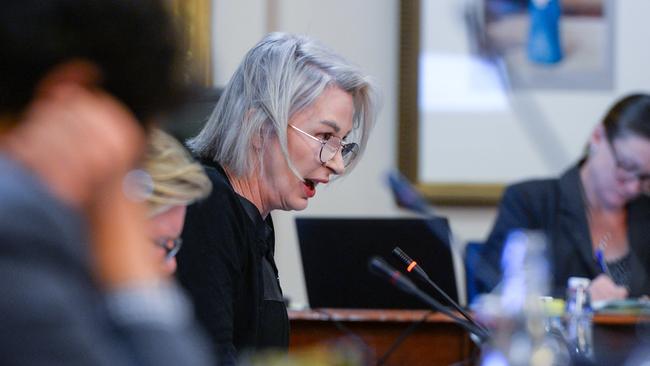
26,201
533,188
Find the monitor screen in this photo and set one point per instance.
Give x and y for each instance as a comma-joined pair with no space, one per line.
335,254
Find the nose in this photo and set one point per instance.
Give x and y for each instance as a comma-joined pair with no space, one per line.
336,164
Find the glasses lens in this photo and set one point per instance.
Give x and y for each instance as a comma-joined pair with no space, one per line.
349,153
170,245
329,149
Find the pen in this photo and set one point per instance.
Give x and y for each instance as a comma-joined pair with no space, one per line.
600,258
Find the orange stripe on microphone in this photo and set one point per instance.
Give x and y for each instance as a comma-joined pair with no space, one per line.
411,266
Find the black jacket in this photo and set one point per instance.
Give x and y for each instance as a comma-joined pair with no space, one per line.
556,206
227,249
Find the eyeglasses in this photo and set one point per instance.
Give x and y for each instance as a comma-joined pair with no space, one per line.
625,172
330,146
170,245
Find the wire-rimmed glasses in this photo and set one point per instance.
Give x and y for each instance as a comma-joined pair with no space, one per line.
330,147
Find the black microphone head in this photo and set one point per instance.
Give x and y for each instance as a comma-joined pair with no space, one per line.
399,253
411,265
379,267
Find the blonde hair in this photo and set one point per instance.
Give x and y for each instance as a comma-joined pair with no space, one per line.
177,180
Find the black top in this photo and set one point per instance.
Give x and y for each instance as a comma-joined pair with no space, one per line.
227,266
619,270
556,206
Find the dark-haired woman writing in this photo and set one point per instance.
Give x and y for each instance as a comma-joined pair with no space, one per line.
598,208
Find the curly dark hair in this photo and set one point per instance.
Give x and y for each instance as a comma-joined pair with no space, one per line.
133,43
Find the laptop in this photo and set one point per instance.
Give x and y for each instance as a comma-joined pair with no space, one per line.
335,254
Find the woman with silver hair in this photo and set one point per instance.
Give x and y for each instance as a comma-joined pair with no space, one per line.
293,115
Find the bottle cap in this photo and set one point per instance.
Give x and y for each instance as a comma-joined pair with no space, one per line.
575,282
552,307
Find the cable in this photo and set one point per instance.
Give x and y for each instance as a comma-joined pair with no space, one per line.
402,337
366,349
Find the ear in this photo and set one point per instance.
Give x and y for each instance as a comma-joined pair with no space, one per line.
256,140
598,135
78,72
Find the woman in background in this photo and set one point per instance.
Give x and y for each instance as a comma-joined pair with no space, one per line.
294,115
176,182
596,216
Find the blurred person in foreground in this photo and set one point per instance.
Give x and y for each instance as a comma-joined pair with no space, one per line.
599,207
81,81
173,181
294,115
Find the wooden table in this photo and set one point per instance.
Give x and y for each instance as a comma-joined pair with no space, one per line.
436,341
617,336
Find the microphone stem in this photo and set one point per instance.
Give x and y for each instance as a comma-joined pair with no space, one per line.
478,331
453,303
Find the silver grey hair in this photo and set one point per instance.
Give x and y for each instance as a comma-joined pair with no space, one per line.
282,75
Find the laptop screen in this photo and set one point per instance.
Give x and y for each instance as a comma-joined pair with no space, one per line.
335,254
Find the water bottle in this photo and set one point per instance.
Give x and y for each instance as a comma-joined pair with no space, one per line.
553,312
555,341
579,317
516,310
544,45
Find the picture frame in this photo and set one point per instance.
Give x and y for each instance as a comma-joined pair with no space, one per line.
468,190
408,144
584,42
195,23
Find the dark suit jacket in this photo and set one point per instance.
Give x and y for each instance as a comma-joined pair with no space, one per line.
556,206
52,312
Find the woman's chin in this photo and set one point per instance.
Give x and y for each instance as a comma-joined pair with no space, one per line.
299,204
616,200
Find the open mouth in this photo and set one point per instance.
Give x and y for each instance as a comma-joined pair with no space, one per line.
310,188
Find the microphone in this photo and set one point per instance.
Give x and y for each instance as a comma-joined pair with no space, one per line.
412,265
379,267
409,198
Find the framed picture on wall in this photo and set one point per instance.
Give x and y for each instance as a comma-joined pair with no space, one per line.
565,44
195,23
476,112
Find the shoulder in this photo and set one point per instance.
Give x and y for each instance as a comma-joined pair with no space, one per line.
532,190
530,203
28,211
222,204
217,224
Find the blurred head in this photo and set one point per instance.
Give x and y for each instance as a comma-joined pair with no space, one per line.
619,151
177,181
131,44
289,80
